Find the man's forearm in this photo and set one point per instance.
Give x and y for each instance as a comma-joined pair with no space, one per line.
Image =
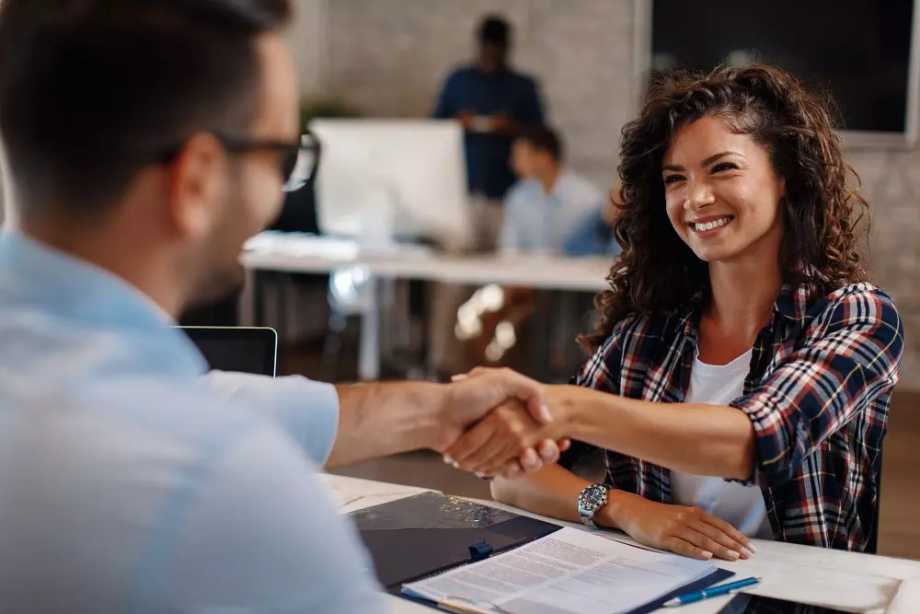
697,438
378,419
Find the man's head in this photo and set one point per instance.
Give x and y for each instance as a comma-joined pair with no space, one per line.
148,119
536,153
494,37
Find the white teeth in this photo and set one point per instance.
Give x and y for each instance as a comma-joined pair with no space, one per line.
722,221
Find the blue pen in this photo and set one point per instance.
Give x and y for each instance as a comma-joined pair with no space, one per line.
712,591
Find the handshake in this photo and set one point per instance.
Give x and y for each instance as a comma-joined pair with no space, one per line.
497,423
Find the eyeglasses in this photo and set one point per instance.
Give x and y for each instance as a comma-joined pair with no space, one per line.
299,161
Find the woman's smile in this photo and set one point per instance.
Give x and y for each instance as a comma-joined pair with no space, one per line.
711,225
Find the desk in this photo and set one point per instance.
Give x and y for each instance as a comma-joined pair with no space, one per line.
790,571
305,254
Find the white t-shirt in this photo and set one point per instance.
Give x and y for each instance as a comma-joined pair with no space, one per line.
742,506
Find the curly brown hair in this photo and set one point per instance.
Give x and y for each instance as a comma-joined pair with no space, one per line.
657,273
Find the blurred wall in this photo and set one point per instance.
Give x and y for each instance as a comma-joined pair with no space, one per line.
388,58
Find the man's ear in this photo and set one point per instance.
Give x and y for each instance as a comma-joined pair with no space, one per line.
196,185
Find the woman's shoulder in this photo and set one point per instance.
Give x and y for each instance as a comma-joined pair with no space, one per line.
857,289
860,300
854,315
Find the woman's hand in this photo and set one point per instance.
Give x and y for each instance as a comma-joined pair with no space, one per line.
685,530
507,442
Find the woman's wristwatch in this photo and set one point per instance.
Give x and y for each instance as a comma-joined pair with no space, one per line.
591,499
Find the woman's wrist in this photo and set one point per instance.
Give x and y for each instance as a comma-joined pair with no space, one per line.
568,408
614,513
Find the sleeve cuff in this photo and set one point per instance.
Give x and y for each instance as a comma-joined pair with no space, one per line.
769,455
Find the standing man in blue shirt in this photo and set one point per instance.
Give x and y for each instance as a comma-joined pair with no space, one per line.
144,142
494,103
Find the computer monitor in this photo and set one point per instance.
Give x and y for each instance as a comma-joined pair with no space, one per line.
236,348
385,180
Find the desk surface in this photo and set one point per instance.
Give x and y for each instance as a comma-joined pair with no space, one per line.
312,255
835,578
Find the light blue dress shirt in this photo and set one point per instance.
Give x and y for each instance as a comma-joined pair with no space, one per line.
535,221
130,483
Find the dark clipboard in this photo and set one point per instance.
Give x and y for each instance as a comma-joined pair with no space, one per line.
427,534
420,536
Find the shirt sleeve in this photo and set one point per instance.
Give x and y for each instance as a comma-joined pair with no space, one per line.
852,357
306,410
261,534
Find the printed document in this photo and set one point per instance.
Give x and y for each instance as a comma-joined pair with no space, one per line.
567,571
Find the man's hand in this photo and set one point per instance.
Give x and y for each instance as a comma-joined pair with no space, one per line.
474,394
508,441
466,119
502,123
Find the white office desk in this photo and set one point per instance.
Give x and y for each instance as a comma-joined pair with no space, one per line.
846,580
305,254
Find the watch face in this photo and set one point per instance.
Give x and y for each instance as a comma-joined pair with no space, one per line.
593,497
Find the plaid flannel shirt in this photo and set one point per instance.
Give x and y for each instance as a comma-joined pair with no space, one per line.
817,395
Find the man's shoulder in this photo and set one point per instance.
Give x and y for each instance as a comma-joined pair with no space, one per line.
461,72
182,410
524,187
523,193
522,78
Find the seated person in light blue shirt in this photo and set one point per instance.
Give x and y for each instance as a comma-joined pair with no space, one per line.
593,235
549,202
144,142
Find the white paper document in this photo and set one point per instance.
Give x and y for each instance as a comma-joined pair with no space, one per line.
566,571
354,494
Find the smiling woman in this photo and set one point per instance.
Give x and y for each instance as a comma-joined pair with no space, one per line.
756,120
742,369
723,205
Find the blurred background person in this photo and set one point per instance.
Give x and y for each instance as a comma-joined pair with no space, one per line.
549,203
494,103
550,210
593,235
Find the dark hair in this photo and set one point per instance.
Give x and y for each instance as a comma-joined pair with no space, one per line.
544,139
496,30
657,273
93,90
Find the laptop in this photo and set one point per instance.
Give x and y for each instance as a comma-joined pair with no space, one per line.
236,348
